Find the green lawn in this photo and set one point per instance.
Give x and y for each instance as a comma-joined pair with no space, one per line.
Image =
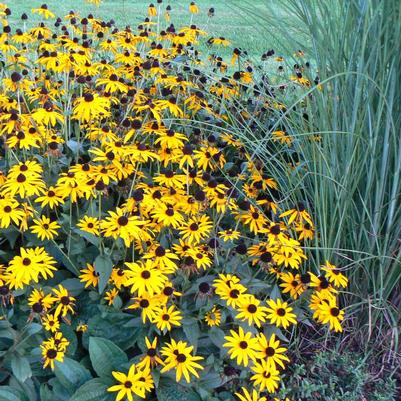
230,20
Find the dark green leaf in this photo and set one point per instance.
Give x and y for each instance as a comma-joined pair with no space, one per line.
169,390
104,266
105,356
8,393
71,374
93,390
20,367
216,335
191,330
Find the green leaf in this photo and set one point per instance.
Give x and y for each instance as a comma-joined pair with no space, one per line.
105,356
191,330
103,266
172,391
45,393
216,336
89,237
93,390
71,374
8,393
20,367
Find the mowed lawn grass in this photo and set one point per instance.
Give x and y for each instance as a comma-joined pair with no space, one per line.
231,19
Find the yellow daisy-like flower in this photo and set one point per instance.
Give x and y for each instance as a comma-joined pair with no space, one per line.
280,313
265,376
145,277
51,323
44,228
130,384
242,346
247,396
213,317
91,107
165,318
89,276
179,357
334,275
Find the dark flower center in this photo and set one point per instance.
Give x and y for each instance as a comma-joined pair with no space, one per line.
51,353
334,312
252,308
281,311
151,352
145,274
122,221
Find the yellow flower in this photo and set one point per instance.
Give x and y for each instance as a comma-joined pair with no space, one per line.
145,277
165,318
242,346
193,8
89,276
51,323
178,356
29,266
266,376
213,317
247,396
280,313
131,384
91,107
44,228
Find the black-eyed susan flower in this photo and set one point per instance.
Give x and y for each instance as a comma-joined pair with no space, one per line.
111,295
29,266
148,305
178,356
271,351
196,229
39,301
280,313
265,376
52,198
242,346
151,357
193,8
43,11
130,384
334,275
251,310
298,214
10,212
167,317
51,353
292,284
213,317
44,228
250,396
145,277
89,276
51,323
90,107
64,300
89,224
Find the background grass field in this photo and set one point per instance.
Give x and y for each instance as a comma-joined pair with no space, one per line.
234,19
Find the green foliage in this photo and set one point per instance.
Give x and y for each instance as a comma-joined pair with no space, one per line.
330,376
353,181
105,356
